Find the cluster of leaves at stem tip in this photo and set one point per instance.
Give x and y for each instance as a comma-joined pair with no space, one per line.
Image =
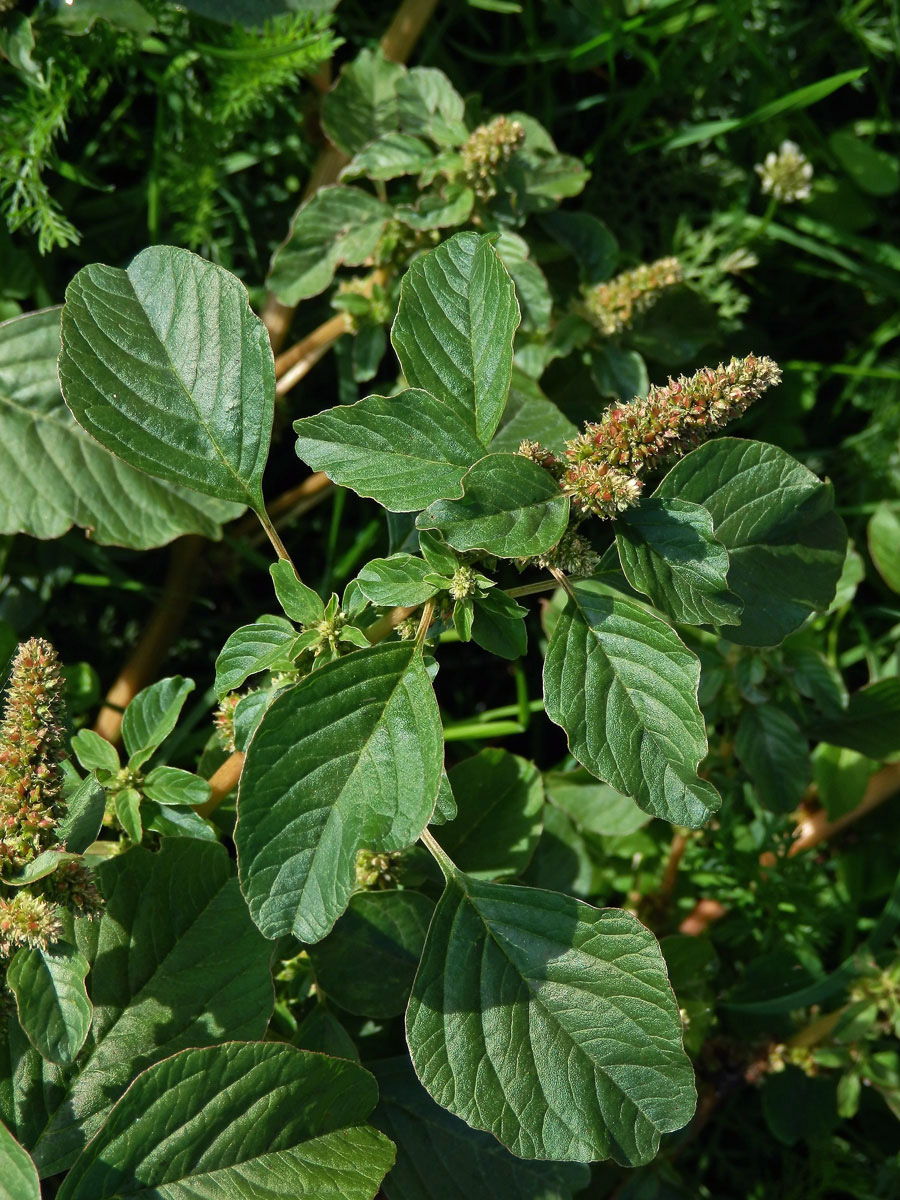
532,1016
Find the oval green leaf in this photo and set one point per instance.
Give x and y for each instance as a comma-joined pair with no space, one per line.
53,1005
564,1015
454,329
776,519
349,759
511,508
238,1120
18,1176
403,451
623,686
167,367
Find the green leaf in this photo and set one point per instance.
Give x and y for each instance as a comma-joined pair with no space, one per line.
447,209
320,1030
440,1158
403,451
564,1015
252,648
170,785
159,980
349,759
39,868
167,367
873,170
336,226
785,543
429,105
52,1003
390,156
299,602
454,329
623,686
399,579
92,751
83,815
532,288
588,240
151,716
499,625
500,798
593,806
883,534
128,812
53,475
871,724
445,807
239,1120
775,755
668,551
529,414
511,507
801,97
363,103
18,1176
367,963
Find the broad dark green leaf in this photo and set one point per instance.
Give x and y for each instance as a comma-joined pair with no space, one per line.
18,1177
399,579
386,932
549,1023
592,805
511,507
239,1120
320,1030
151,716
84,808
52,1003
349,759
299,602
94,751
875,171
403,451
499,624
161,980
337,225
529,414
883,535
775,755
587,239
428,104
389,157
871,724
623,686
166,366
171,785
785,543
447,209
500,799
440,1158
668,551
454,329
363,103
53,475
252,648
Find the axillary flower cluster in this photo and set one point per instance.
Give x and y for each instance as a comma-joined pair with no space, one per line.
612,306
31,806
602,467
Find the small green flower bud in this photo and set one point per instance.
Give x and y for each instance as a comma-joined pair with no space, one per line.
464,583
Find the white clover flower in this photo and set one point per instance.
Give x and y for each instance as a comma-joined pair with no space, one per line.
787,175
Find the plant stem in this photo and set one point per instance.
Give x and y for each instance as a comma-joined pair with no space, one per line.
424,622
818,828
291,366
221,782
380,629
443,861
406,28
273,537
156,637
532,589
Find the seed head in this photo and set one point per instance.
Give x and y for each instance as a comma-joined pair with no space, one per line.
612,306
27,920
487,151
